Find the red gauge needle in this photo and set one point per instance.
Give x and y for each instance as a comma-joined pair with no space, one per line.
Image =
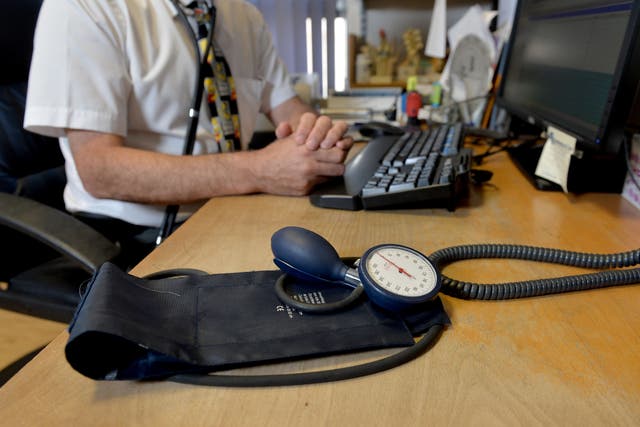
400,269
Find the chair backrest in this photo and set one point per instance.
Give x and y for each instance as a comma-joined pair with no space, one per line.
17,24
30,165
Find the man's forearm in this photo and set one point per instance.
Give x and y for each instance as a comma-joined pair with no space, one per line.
148,177
108,169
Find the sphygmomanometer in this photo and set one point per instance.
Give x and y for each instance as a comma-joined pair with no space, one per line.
396,276
188,327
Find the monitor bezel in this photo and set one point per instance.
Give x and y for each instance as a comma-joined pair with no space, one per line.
609,135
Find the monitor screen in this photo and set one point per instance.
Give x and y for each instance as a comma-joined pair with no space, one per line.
570,65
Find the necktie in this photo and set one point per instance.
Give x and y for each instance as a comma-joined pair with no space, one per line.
220,90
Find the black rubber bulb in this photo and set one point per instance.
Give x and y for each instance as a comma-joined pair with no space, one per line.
306,255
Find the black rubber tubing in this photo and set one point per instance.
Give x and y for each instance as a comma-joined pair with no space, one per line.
315,377
530,288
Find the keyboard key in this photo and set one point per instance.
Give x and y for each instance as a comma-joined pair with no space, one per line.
428,145
439,141
395,149
381,171
446,174
373,191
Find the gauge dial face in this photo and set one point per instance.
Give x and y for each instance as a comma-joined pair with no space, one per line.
401,271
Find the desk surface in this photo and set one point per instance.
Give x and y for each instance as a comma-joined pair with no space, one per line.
553,360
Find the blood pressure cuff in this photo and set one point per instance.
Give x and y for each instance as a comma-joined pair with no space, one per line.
132,328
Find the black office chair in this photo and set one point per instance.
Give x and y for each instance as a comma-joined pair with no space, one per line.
47,252
56,253
47,285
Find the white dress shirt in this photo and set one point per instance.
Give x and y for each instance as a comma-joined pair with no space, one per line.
127,67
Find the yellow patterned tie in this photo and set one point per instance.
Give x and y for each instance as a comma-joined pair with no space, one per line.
218,84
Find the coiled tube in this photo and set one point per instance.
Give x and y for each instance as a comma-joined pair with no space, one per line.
530,288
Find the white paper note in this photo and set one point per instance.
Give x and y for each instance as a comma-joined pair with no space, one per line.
556,157
437,39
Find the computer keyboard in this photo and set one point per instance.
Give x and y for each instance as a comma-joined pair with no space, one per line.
417,169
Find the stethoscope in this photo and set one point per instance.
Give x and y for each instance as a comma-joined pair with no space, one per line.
394,277
194,110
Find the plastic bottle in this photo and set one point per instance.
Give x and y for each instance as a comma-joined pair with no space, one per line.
436,94
414,101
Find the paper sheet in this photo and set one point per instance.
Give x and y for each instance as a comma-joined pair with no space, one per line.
556,157
437,39
506,12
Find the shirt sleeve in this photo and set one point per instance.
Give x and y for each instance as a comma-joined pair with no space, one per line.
278,88
78,77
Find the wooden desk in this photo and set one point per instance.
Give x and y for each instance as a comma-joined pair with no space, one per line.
569,359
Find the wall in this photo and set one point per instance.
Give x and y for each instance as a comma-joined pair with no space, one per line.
397,16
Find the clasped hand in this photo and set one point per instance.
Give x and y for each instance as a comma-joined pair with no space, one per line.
303,157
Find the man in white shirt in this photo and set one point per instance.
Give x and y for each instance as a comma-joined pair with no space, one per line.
114,81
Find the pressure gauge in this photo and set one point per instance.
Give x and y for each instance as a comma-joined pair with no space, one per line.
394,277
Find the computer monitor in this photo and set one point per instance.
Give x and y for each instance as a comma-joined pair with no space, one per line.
575,65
